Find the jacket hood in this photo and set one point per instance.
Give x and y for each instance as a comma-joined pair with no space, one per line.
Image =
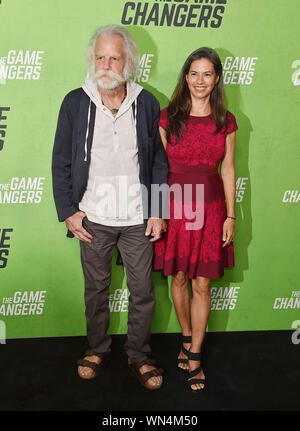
91,89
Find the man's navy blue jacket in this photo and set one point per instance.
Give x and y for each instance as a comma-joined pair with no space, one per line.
71,160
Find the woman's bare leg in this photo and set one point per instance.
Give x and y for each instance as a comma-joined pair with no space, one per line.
200,309
182,300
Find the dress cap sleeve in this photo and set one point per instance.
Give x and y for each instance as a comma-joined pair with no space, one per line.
163,120
232,125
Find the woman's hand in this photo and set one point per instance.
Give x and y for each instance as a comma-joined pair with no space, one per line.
228,231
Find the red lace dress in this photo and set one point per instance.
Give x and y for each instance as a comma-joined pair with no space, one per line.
194,244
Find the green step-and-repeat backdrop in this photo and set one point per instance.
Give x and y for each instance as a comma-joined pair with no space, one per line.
42,58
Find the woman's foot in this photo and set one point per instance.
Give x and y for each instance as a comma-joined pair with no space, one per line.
183,357
196,377
193,365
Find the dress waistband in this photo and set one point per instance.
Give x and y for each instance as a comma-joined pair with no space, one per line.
200,169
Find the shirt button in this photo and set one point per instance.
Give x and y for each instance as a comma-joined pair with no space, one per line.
115,133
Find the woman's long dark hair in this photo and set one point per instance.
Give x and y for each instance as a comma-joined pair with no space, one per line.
181,103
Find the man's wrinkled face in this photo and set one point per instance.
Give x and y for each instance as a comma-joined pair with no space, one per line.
110,60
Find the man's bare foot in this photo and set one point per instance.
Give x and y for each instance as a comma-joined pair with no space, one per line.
87,372
92,364
142,370
153,381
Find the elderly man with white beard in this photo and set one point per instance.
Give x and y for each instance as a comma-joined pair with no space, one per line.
107,154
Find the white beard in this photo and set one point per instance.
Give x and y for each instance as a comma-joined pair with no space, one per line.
108,80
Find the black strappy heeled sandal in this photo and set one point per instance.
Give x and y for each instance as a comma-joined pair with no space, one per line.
190,381
185,339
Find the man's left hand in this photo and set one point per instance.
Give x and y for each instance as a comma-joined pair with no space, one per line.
155,228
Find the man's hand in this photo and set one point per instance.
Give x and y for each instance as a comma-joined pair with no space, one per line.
155,228
74,224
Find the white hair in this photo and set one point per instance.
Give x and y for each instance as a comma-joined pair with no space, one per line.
131,50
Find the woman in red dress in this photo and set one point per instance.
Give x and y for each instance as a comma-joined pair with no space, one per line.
198,134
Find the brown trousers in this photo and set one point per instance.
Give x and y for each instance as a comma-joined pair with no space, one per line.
96,259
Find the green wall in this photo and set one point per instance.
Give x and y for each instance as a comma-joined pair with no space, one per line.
42,57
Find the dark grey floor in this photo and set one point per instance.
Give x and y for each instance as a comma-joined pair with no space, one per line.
252,371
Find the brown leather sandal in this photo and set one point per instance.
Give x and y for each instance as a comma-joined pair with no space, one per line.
104,356
143,378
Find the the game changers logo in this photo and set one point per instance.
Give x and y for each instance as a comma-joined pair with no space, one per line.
118,301
22,191
21,65
240,188
224,298
177,13
144,69
291,196
4,246
28,303
296,73
239,70
290,302
3,125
